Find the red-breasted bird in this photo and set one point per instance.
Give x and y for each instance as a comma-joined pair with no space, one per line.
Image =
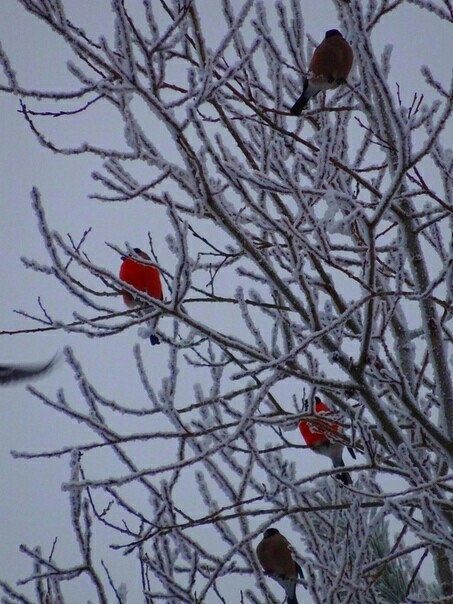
320,439
17,373
274,554
144,277
329,67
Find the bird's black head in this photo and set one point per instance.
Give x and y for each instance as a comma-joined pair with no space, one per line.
270,532
333,32
136,250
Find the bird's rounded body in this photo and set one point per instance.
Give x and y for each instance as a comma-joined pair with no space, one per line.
274,554
320,438
144,277
329,67
313,433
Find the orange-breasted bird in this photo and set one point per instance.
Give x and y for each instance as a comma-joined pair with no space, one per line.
143,276
17,373
329,67
320,439
274,554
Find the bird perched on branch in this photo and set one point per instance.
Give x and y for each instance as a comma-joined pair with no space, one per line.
17,373
329,67
144,277
274,554
320,437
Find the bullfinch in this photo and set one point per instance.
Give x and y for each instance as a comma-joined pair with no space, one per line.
329,67
274,554
144,277
17,373
320,439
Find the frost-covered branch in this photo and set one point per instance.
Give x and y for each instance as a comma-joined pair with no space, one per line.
306,257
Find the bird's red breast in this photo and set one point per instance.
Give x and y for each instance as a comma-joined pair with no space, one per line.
332,58
144,277
313,433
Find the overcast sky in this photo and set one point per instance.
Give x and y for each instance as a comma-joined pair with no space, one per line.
33,510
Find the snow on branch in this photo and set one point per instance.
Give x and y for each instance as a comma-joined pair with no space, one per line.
308,260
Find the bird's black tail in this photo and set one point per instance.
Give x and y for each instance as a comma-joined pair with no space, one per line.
299,105
293,600
300,572
343,476
291,590
302,101
289,584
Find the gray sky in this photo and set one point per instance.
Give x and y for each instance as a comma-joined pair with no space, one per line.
32,507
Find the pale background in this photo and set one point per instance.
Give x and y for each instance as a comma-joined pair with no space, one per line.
33,509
